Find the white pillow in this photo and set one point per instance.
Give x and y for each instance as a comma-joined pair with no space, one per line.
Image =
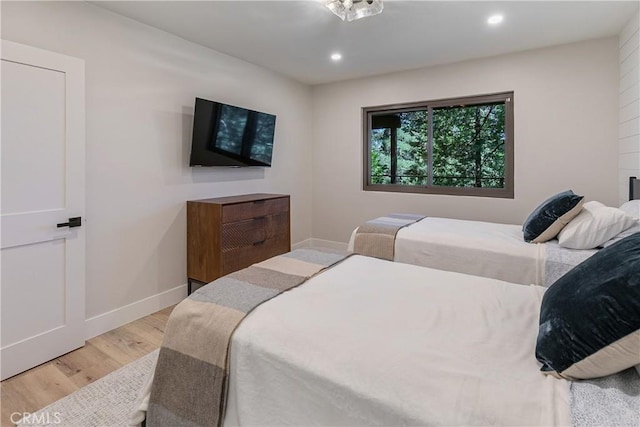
593,226
628,232
631,208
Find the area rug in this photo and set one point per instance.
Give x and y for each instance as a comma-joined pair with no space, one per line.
109,401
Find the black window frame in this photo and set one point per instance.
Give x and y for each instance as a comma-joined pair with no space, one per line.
506,192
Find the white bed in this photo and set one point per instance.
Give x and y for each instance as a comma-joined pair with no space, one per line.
483,249
372,342
487,249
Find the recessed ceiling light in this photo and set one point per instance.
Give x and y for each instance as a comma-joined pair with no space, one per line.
495,19
336,56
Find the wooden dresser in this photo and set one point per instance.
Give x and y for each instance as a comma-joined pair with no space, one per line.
227,234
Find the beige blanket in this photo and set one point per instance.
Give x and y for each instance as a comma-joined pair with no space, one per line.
376,238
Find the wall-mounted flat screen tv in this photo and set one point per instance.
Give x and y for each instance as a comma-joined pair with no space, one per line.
225,135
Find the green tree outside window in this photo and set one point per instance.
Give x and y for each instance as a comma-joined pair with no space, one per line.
461,146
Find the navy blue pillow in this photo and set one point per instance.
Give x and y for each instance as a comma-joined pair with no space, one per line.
546,221
590,317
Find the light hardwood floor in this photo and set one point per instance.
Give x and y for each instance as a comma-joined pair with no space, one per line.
44,384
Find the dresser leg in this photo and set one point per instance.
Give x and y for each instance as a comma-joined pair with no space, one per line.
191,282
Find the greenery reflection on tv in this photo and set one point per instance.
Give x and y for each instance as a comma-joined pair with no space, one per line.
226,135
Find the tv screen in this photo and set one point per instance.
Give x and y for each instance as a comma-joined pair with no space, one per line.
225,135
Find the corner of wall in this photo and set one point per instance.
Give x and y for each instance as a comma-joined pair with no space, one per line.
629,120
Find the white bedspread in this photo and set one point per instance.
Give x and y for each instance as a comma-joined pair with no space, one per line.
372,342
473,247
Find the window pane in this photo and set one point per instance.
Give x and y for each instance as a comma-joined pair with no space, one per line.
399,148
469,146
380,156
412,148
459,146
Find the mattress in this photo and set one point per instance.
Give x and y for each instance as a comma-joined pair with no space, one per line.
372,342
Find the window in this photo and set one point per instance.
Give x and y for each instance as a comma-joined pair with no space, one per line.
461,146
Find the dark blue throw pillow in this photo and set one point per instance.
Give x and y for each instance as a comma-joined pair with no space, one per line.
546,221
590,317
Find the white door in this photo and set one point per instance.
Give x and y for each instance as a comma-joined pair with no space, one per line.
42,293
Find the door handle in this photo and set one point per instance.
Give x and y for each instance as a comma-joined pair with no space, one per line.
73,222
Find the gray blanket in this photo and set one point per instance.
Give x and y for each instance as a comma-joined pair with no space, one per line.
560,260
608,401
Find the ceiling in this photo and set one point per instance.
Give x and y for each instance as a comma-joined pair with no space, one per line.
296,38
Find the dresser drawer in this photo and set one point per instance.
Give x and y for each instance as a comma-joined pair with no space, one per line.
254,209
243,233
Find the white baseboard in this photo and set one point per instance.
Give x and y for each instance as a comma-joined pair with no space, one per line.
319,243
113,319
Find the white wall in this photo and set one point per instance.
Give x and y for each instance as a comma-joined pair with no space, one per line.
566,130
140,89
629,143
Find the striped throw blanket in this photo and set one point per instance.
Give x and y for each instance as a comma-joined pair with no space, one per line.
377,238
190,383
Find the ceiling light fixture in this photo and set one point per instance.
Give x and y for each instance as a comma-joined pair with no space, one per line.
336,56
354,9
495,19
